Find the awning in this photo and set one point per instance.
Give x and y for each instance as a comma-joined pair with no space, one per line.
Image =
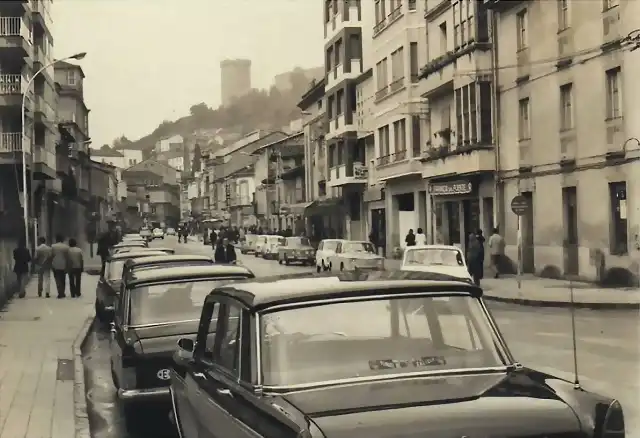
324,206
299,208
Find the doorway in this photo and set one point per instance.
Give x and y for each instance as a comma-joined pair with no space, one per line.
379,229
570,243
528,250
471,218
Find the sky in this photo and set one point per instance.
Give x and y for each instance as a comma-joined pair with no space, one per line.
150,60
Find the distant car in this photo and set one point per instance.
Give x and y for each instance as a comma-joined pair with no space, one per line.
145,233
296,250
171,231
372,354
128,245
155,249
261,241
351,254
439,259
109,284
158,233
326,249
269,250
155,309
248,246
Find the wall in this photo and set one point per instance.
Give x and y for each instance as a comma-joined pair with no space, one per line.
131,157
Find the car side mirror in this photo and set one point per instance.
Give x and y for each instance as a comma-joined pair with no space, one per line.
186,344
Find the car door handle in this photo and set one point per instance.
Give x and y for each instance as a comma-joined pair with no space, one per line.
224,391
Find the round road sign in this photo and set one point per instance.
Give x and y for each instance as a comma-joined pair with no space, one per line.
519,205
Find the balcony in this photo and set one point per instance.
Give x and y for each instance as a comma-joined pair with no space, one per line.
343,175
42,58
382,93
15,35
12,87
343,71
397,165
396,85
10,142
44,163
338,127
438,75
345,17
460,160
41,14
44,112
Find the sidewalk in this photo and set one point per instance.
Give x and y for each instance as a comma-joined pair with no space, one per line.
41,372
92,265
544,292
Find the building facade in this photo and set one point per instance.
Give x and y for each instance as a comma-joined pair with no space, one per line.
235,79
577,144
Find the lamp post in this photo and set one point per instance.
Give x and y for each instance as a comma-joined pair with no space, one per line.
28,200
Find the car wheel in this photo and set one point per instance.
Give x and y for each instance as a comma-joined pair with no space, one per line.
330,267
318,268
279,260
286,261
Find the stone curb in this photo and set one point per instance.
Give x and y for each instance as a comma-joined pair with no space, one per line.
563,304
79,389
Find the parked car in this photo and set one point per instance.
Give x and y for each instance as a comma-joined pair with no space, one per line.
164,261
326,249
261,241
158,233
128,245
440,259
248,246
146,233
171,231
354,254
155,308
425,358
296,250
269,250
109,284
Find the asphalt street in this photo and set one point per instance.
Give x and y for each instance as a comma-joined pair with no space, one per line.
608,349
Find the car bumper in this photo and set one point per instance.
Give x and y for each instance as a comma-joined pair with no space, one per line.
150,394
303,259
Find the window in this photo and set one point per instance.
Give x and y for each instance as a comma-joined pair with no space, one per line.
618,239
415,135
473,114
566,107
414,62
330,101
329,60
355,46
459,122
524,121
412,5
608,4
443,38
381,74
380,12
339,102
400,135
338,52
521,23
383,141
563,14
397,65
463,23
71,77
614,97
229,323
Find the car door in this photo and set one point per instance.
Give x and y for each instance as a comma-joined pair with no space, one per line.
117,341
334,257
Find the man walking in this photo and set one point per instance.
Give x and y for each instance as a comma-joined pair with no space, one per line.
76,266
60,264
225,252
106,241
496,250
43,266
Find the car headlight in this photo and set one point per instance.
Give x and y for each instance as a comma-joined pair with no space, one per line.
613,426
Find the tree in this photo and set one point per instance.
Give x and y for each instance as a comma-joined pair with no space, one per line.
197,159
121,142
200,110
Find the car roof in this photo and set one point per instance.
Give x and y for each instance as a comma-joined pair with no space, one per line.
450,247
262,293
168,258
129,243
334,240
202,272
136,254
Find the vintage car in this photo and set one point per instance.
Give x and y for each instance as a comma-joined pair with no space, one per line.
248,246
326,249
158,248
155,309
269,251
296,250
439,259
157,233
128,245
261,241
146,233
165,261
292,358
108,286
353,254
171,231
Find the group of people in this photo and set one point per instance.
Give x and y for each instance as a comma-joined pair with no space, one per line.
223,249
60,259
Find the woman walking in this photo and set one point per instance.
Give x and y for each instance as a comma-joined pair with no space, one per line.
21,261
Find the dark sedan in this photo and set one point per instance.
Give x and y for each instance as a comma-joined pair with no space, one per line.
108,286
296,250
155,308
368,354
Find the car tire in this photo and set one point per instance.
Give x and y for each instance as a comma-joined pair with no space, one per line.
330,267
318,268
279,261
286,261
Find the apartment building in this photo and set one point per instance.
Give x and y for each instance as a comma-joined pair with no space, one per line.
568,145
398,51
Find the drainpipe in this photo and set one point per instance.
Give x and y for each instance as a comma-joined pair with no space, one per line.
498,203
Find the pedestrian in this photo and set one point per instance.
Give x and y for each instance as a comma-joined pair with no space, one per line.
76,267
43,266
60,264
21,260
496,250
421,239
106,241
410,240
475,258
225,252
213,239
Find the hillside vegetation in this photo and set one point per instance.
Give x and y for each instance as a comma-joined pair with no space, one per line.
260,109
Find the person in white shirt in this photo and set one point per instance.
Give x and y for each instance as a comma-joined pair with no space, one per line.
421,238
496,249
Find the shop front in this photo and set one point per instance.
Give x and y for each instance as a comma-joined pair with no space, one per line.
376,221
460,206
325,219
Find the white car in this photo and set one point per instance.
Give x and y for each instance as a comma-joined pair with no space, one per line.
171,231
261,241
355,254
158,233
269,250
326,250
438,259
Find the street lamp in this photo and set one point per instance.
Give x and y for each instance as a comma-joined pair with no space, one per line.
28,199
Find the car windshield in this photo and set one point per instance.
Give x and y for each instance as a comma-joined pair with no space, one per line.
434,256
358,247
330,246
376,337
162,303
276,240
297,242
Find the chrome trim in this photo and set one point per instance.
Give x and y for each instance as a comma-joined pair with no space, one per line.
109,308
143,394
258,320
240,342
398,376
496,332
175,412
160,324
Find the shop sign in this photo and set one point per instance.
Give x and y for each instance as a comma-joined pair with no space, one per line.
451,188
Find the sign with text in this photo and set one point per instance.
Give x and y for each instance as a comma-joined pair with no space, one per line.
451,188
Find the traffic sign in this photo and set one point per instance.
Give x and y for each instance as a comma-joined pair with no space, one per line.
519,205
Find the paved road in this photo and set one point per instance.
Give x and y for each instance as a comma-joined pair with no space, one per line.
608,345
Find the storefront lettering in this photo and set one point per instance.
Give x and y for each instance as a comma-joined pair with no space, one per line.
452,188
